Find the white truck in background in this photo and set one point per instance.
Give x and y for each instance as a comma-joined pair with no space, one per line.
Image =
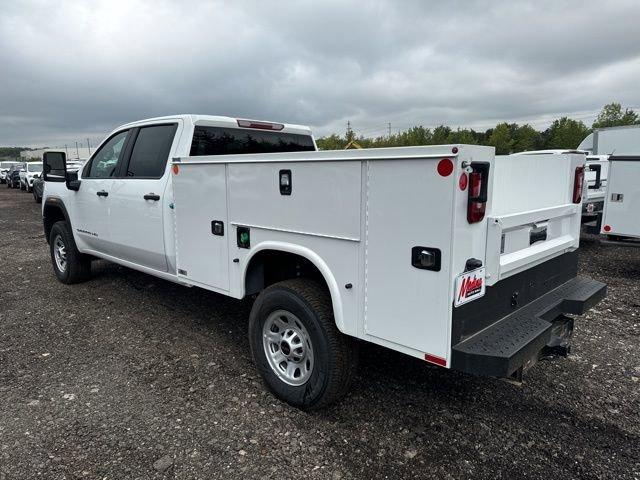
445,253
619,141
619,218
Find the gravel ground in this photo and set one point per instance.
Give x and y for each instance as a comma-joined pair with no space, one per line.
129,376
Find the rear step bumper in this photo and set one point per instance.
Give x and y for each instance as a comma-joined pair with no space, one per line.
511,343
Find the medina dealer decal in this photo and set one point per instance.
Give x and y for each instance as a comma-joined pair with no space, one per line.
469,286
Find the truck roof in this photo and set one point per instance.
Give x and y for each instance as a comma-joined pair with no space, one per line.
219,121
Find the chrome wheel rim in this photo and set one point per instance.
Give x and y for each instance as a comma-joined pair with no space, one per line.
60,253
287,346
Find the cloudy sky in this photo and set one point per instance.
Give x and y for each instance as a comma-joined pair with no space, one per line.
72,70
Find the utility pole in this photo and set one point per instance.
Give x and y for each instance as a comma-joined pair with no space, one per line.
66,150
350,135
89,146
389,128
77,153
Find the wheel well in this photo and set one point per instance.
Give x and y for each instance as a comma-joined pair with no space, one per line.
271,266
51,214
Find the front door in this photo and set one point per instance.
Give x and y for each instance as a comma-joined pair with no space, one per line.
141,197
93,199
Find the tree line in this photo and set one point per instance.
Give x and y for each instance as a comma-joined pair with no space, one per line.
506,137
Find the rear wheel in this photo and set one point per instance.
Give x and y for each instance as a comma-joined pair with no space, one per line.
300,353
69,265
36,197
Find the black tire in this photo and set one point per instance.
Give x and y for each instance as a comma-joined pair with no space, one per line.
78,266
37,198
335,355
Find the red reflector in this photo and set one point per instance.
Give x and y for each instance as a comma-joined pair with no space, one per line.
260,125
607,228
445,167
463,182
434,359
578,184
176,169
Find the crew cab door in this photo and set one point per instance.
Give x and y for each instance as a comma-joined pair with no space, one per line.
91,202
141,197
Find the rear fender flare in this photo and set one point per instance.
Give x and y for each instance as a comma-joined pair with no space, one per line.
315,259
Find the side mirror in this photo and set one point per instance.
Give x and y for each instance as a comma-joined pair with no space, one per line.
72,181
54,169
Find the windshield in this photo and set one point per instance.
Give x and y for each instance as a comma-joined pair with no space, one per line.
35,167
6,164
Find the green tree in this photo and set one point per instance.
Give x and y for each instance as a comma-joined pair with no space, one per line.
612,115
462,135
501,139
441,135
526,138
565,133
332,142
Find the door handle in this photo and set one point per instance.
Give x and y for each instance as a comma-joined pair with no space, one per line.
152,196
102,193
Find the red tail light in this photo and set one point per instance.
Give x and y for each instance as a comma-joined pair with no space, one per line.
477,203
578,184
476,185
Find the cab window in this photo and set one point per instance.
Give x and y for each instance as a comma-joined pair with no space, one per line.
151,151
104,162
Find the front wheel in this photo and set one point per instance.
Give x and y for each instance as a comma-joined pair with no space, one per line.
69,265
301,355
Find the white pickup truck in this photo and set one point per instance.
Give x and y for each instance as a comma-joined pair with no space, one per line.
620,219
446,253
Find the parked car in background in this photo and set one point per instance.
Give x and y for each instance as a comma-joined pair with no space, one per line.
38,189
13,175
4,169
28,174
38,183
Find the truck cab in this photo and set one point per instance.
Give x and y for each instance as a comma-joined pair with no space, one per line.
123,211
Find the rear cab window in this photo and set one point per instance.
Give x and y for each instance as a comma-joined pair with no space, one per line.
231,141
150,151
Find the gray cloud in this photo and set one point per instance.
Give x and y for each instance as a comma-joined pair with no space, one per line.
72,70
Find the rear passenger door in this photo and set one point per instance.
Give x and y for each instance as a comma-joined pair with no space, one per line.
140,200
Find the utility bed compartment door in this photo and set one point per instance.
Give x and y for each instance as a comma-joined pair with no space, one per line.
408,205
200,200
